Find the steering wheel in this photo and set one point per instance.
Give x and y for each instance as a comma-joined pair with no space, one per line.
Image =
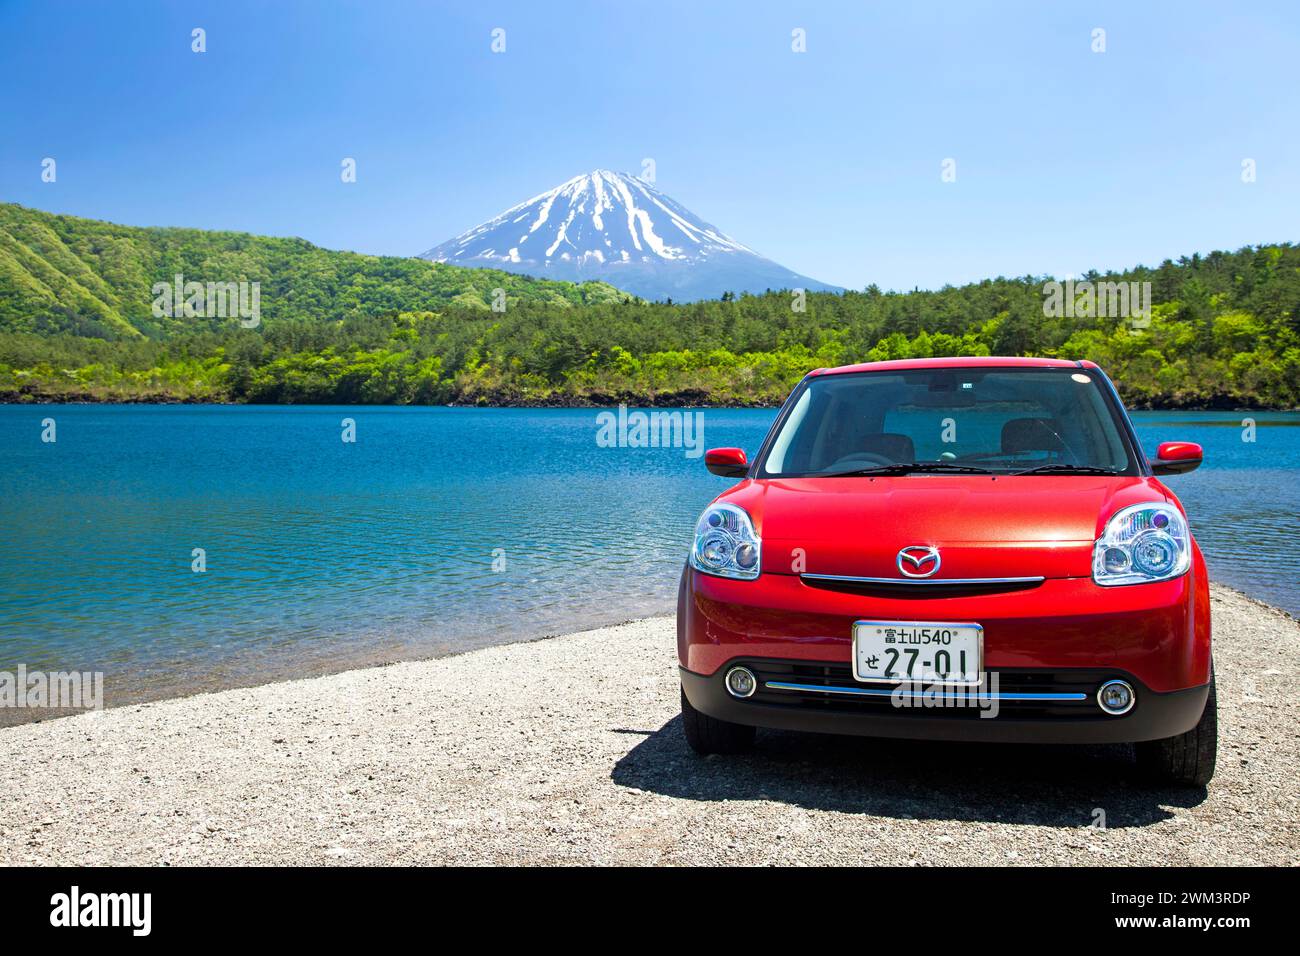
863,457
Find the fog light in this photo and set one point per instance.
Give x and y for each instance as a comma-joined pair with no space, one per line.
1116,697
741,682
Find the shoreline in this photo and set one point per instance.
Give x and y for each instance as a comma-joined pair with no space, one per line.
568,750
668,400
322,669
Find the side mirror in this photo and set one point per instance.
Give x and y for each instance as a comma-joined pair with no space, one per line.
1177,458
727,462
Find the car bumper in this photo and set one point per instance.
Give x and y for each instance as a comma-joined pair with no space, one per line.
1013,720
1063,637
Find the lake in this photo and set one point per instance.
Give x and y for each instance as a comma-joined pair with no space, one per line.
436,530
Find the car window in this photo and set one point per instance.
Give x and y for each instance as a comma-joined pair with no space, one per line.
1002,420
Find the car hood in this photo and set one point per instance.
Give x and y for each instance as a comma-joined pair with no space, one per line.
1028,526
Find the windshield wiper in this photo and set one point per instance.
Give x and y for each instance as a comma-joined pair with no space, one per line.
1061,469
909,468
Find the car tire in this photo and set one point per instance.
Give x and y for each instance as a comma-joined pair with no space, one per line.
1188,759
708,735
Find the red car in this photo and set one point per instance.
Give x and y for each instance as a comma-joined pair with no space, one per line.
952,549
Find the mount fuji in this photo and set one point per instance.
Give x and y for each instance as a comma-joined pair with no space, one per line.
617,228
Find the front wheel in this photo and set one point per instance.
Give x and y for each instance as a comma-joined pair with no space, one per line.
708,735
1188,759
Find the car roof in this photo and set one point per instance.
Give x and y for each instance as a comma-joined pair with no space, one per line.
962,361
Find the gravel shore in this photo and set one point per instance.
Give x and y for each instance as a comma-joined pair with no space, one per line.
569,750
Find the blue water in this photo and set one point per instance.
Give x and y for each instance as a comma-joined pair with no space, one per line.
322,554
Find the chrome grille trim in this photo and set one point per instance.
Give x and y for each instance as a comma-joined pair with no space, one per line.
881,692
932,582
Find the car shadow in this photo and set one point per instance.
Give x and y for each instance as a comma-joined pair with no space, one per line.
1042,785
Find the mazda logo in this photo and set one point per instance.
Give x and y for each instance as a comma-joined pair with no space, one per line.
918,561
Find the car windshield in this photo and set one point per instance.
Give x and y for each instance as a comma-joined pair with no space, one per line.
951,420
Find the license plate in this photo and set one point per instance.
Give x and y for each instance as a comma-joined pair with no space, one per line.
918,651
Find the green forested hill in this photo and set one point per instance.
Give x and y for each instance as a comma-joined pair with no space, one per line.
75,324
65,274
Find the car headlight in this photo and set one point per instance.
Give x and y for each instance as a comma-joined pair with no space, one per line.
725,543
1142,543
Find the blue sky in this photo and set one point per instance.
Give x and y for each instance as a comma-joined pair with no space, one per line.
827,161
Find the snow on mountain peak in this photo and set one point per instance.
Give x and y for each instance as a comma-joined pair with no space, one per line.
617,228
